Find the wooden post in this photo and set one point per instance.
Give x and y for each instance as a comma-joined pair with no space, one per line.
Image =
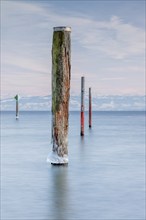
90,109
82,104
17,106
61,74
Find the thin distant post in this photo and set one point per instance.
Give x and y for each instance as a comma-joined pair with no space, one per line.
82,104
90,109
17,106
61,74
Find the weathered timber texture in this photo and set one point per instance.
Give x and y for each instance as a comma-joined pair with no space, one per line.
82,104
61,74
90,109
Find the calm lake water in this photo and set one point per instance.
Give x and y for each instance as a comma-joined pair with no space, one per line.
104,180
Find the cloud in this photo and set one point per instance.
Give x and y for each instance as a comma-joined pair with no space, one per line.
113,78
126,68
25,63
114,38
97,47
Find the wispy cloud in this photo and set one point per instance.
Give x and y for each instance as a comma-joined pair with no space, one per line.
25,63
114,37
113,78
97,45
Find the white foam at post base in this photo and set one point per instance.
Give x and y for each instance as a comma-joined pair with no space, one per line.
55,159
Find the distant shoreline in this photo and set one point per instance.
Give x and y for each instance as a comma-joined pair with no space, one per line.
77,111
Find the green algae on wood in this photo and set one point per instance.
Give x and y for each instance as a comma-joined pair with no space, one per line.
61,74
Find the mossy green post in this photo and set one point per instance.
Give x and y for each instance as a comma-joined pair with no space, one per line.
61,74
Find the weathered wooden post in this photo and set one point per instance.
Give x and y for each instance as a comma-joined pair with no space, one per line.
82,104
90,109
61,74
17,106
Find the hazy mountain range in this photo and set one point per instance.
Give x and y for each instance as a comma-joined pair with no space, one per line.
99,103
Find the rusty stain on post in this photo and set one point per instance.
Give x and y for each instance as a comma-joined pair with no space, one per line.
82,104
61,74
90,109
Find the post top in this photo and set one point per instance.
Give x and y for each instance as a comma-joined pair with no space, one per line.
62,28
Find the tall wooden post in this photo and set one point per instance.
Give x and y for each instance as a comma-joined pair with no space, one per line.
90,109
82,104
61,74
17,106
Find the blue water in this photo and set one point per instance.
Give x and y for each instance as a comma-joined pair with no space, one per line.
105,177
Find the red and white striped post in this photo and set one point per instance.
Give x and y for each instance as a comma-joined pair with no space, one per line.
82,104
90,109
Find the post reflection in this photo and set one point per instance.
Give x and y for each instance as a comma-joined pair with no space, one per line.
59,192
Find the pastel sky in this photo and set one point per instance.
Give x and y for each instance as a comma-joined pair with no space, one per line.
108,46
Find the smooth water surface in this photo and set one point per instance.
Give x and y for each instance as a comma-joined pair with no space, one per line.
105,177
